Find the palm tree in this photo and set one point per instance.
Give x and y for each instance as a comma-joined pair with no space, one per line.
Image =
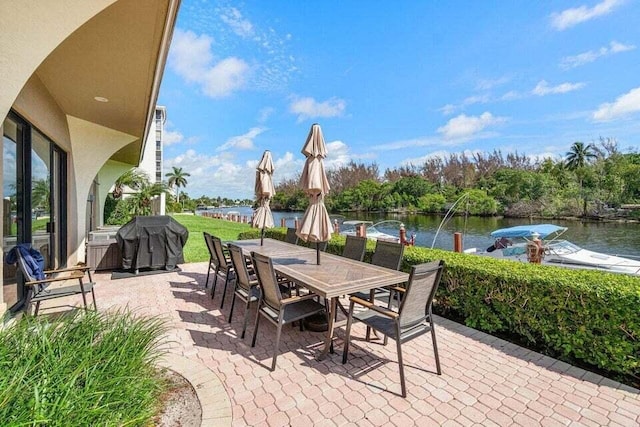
133,178
141,200
41,193
580,155
577,159
177,178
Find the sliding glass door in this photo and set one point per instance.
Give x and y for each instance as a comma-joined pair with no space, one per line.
34,194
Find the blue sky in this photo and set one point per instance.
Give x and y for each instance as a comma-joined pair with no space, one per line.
393,82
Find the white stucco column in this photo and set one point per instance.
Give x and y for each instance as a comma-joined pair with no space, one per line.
92,145
107,177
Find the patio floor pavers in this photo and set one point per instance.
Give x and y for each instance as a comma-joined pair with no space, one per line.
485,381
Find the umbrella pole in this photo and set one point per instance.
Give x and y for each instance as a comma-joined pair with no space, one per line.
262,237
318,253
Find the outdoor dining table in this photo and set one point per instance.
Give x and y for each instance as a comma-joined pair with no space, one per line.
334,277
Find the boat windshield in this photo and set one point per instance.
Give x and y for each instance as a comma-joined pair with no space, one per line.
563,247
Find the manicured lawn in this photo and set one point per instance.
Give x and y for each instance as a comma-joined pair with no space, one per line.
195,250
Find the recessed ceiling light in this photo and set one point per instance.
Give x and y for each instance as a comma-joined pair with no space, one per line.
100,99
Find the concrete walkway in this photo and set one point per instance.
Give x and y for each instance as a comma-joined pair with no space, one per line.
486,381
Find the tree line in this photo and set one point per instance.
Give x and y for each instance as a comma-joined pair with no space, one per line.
591,179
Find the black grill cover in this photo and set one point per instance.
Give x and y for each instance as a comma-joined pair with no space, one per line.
152,242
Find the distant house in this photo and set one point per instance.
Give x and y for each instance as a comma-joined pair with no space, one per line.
78,94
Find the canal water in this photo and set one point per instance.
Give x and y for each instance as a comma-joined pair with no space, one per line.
608,237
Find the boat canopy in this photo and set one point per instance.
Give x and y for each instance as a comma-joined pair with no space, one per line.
357,222
524,231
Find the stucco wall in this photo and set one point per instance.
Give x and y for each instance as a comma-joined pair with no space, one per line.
31,30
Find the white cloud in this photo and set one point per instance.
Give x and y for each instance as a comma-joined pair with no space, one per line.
487,84
570,17
337,155
221,175
172,137
543,88
225,77
407,143
192,58
623,106
449,109
309,108
511,95
265,113
233,18
242,142
464,127
590,56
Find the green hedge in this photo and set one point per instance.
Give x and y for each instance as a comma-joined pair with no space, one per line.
582,315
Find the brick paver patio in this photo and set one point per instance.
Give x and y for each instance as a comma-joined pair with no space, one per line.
486,381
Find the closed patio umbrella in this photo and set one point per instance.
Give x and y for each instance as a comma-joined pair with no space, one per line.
316,224
264,192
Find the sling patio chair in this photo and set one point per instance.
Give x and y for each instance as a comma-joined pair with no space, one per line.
246,288
413,318
274,307
39,282
291,236
213,259
355,247
223,265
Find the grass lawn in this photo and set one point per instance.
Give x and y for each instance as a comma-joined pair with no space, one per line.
195,250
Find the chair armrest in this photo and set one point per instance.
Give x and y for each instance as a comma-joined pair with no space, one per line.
397,289
51,280
298,298
371,306
82,268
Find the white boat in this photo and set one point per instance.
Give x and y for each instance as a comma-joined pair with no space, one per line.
371,231
556,252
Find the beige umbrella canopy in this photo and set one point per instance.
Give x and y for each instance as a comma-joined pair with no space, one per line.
316,224
264,192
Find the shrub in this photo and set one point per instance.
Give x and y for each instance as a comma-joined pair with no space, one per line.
81,370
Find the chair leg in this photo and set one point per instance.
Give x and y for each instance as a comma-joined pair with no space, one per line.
35,313
224,291
255,327
93,296
233,302
435,346
215,282
275,352
206,283
246,317
400,364
347,335
84,297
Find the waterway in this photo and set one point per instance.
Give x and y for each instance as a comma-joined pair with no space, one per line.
608,237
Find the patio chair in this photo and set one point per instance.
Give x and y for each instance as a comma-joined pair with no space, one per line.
274,307
355,247
30,263
213,260
223,265
388,254
413,318
246,288
291,236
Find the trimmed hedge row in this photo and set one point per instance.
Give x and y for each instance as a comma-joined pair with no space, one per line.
584,315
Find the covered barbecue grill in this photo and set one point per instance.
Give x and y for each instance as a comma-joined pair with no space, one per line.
153,242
